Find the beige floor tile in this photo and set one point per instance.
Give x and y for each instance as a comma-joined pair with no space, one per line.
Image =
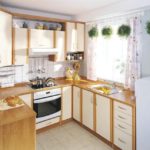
70,136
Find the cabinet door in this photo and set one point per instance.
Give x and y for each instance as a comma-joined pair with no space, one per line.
76,103
80,37
66,103
20,46
60,45
27,99
41,38
6,39
87,109
103,116
71,37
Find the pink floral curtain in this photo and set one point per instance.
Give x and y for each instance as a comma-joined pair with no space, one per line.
133,70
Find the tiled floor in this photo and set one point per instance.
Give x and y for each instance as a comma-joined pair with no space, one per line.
69,137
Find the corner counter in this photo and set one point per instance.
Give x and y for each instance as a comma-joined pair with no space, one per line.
17,129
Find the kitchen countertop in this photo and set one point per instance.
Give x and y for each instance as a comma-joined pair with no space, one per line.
126,96
16,114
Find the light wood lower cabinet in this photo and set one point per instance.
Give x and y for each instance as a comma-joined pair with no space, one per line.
77,103
27,99
17,129
87,108
124,135
103,118
66,103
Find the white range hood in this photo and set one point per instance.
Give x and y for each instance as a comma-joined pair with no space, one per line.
35,52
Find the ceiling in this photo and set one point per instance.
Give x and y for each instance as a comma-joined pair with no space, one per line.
68,7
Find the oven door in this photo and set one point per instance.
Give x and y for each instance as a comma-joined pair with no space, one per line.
47,108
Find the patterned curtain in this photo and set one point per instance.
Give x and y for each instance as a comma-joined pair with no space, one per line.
133,70
91,56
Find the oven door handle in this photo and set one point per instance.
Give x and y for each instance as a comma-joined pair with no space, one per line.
47,99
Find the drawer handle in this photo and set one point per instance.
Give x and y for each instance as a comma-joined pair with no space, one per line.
121,117
121,126
121,141
121,108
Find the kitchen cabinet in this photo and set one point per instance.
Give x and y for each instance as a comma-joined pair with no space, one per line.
77,103
75,37
87,109
17,129
80,37
71,36
103,116
27,99
6,39
20,46
123,128
41,39
60,45
66,102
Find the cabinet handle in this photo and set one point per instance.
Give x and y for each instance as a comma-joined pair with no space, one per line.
121,141
121,126
121,117
121,108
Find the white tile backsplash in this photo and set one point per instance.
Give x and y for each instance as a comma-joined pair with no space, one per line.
37,67
42,67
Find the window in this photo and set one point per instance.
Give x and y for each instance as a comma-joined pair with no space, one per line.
111,56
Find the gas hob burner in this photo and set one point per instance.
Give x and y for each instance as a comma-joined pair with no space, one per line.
42,83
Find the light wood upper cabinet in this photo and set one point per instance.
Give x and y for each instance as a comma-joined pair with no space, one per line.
66,103
60,45
6,39
80,37
76,103
41,38
103,116
75,37
27,99
71,36
20,46
87,108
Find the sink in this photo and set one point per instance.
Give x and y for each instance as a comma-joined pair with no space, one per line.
105,89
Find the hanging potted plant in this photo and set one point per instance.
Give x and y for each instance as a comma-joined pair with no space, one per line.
93,32
107,32
148,27
124,30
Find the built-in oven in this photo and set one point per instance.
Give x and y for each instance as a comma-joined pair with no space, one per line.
47,104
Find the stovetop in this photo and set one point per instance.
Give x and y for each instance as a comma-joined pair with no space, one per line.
41,86
39,83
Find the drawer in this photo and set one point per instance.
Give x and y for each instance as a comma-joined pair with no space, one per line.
123,108
123,117
123,126
47,123
122,140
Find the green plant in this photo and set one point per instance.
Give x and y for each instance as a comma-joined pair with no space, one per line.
124,30
107,31
93,32
148,27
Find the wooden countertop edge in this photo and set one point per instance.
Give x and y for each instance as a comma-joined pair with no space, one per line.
62,83
24,111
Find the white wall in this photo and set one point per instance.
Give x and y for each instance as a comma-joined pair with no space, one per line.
38,13
123,6
145,60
